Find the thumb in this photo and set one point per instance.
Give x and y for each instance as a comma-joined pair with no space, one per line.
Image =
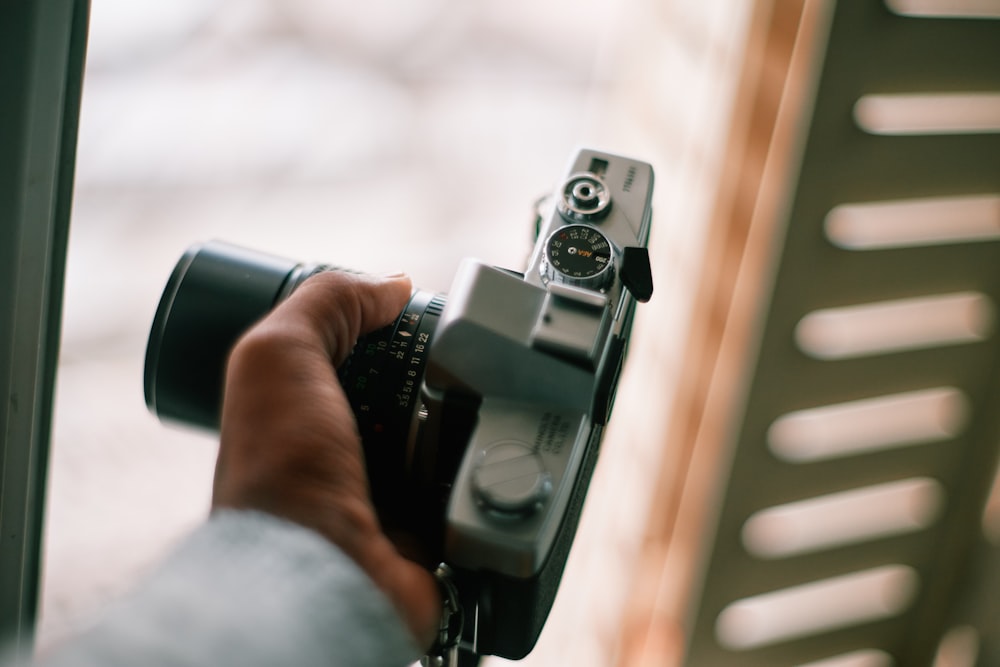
334,308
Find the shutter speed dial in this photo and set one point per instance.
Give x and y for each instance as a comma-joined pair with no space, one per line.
578,255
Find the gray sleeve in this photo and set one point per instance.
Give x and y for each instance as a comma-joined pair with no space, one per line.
248,589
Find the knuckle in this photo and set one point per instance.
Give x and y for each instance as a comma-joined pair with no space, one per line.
263,345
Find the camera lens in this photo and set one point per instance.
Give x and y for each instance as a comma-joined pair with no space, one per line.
217,291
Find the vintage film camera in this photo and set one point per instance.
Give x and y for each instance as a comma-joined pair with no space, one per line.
481,413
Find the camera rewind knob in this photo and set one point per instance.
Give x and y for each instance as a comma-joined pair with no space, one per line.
584,198
511,478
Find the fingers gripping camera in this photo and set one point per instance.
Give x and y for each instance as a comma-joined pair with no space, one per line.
480,413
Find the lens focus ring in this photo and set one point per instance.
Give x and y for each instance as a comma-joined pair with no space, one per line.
382,379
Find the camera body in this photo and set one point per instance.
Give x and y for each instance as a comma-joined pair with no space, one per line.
491,403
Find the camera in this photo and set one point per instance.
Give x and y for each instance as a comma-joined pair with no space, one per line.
480,412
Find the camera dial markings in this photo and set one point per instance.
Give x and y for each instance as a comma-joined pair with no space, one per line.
578,255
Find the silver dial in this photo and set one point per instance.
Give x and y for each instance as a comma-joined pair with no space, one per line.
584,198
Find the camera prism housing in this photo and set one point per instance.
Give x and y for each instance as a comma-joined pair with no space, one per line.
481,413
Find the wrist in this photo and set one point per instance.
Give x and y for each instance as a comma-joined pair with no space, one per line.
411,589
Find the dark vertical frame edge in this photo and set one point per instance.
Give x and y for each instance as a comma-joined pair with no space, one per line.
42,54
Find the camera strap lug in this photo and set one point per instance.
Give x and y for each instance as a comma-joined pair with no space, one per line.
444,652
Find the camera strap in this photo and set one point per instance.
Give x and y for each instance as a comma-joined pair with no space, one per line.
444,652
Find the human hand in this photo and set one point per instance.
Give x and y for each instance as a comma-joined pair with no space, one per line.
289,441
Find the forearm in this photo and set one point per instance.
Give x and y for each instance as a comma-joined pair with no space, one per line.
249,589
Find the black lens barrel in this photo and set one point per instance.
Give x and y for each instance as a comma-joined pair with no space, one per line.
216,292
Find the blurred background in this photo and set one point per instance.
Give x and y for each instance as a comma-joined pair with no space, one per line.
384,136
